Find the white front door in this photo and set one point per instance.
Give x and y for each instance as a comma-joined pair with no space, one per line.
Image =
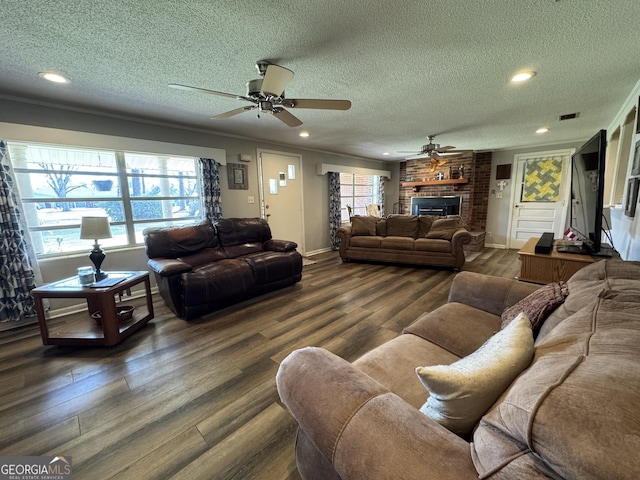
541,192
281,195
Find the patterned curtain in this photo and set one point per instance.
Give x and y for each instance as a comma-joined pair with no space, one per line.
381,194
334,209
17,277
210,175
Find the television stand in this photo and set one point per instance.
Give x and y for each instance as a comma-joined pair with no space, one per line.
551,267
606,250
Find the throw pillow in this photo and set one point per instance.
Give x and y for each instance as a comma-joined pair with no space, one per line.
402,226
538,305
461,393
443,228
361,225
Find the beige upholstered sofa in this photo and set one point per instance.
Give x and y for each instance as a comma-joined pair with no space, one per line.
409,239
572,413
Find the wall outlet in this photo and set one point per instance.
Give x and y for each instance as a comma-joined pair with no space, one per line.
489,234
250,199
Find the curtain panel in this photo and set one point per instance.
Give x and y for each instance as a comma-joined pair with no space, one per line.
17,277
210,175
334,209
381,194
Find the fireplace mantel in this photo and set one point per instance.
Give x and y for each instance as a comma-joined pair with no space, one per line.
456,182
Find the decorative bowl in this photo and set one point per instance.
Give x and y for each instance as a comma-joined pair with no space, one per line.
124,313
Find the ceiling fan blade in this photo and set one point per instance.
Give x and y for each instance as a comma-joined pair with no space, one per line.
276,78
231,113
177,86
286,117
317,104
442,149
446,154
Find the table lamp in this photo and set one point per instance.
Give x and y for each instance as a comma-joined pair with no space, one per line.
96,228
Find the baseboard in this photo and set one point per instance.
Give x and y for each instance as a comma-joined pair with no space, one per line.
317,252
495,245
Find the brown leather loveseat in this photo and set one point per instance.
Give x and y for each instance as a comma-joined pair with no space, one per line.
204,267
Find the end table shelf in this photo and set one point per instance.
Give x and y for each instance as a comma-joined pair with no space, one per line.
84,330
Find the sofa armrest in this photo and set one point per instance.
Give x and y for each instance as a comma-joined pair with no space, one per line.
361,428
344,235
167,267
461,236
279,245
488,293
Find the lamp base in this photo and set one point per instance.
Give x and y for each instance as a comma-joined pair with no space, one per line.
97,256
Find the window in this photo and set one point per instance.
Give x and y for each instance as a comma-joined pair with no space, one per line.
59,185
357,191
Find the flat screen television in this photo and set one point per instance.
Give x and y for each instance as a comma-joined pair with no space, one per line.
587,194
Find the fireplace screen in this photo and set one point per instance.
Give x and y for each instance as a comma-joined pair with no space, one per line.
436,206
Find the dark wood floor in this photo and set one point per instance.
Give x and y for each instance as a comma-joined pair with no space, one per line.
198,399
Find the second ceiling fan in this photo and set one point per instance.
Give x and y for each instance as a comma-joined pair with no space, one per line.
267,95
437,154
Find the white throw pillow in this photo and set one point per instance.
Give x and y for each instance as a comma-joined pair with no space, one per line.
462,392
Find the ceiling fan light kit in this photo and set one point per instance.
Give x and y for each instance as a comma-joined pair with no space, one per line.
267,95
435,153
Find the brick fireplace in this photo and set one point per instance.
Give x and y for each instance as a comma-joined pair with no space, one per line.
474,195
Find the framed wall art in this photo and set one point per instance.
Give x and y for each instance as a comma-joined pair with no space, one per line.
635,170
632,197
237,176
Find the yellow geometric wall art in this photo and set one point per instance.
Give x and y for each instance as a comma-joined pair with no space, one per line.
542,179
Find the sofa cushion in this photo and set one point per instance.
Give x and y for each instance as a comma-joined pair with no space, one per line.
456,327
538,305
443,228
588,282
273,266
432,245
203,257
381,227
402,226
576,406
460,393
363,225
217,281
424,224
234,251
234,231
366,241
397,243
173,242
393,363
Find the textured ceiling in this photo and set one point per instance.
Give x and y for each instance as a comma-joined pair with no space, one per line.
410,67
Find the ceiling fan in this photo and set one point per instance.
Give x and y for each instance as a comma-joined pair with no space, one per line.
436,153
267,95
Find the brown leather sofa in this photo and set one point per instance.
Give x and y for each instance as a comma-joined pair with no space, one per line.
408,239
571,414
204,267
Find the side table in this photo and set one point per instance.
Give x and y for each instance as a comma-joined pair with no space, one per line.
84,330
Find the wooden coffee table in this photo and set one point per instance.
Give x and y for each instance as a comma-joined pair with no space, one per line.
85,330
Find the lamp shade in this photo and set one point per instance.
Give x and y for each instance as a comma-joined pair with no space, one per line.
95,228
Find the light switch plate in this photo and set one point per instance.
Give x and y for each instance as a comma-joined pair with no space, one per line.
250,199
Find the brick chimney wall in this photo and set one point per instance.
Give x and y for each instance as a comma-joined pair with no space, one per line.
475,194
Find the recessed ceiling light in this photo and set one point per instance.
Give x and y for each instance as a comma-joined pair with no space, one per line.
385,153
522,76
542,130
304,134
54,77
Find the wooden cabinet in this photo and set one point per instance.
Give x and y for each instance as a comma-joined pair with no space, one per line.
551,267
